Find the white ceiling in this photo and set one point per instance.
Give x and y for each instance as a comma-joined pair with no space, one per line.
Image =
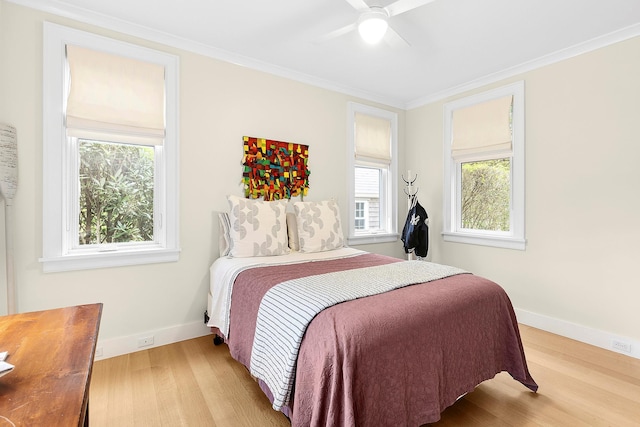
454,44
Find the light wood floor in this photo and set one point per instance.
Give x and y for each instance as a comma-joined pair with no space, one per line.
194,383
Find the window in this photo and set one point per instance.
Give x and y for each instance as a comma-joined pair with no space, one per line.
116,193
361,215
372,164
484,168
367,194
110,148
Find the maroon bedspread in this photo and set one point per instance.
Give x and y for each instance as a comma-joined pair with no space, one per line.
398,358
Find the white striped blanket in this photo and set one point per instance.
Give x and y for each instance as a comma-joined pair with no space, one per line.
288,308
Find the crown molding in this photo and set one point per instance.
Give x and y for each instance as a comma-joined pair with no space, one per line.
560,55
86,16
108,22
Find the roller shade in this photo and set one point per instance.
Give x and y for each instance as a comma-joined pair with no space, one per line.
372,138
482,128
114,98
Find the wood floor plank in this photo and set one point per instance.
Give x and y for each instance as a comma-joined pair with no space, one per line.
572,351
208,384
516,406
194,383
143,390
120,406
167,392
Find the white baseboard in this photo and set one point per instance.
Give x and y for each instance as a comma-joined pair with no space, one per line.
129,344
577,332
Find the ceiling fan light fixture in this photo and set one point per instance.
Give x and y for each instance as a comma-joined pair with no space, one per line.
373,25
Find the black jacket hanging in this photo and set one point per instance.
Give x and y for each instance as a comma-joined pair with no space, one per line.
415,234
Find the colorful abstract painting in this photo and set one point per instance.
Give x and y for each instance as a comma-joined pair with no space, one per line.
274,170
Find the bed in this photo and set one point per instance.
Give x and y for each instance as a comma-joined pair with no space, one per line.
387,357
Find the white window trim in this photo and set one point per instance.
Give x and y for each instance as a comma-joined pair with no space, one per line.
392,206
57,210
515,238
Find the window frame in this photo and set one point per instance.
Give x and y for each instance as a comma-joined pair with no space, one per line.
452,231
59,190
388,184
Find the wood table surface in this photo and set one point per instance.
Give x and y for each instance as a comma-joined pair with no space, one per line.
53,352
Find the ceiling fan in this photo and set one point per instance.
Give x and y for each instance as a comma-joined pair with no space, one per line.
373,22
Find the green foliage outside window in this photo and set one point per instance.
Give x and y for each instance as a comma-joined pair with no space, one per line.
486,193
116,193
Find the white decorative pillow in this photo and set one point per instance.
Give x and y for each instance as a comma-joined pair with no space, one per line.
224,237
292,231
258,228
319,226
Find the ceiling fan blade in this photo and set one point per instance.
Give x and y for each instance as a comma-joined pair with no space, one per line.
337,33
394,39
358,4
402,6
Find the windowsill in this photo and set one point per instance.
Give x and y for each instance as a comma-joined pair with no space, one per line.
108,259
372,238
506,242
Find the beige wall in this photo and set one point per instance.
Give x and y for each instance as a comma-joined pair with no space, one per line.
219,103
582,188
582,192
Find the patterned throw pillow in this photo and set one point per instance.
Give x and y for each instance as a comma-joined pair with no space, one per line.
319,226
258,228
292,231
224,233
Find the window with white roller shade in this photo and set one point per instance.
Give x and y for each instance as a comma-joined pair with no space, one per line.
372,138
372,172
484,168
114,98
110,152
483,128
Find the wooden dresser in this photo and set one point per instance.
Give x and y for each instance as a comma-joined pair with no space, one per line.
53,352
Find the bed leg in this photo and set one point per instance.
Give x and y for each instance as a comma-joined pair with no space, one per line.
217,340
